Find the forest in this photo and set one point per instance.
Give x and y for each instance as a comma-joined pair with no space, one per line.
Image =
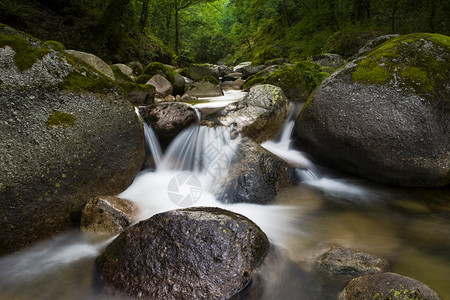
231,31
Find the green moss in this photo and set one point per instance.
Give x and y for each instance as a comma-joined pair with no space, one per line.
210,79
79,82
119,75
26,55
144,78
58,118
57,46
418,62
252,81
156,68
131,86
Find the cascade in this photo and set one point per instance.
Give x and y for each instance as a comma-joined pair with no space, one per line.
152,145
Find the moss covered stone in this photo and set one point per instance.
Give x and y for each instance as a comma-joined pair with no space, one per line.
418,63
58,118
156,68
119,75
55,45
26,55
144,78
210,79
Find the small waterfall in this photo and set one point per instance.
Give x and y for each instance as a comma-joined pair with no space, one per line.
199,148
152,145
306,170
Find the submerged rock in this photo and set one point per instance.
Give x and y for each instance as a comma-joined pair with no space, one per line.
196,253
385,116
259,116
387,286
255,176
68,134
108,214
344,263
169,119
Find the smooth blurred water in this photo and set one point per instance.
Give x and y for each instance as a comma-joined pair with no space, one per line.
409,227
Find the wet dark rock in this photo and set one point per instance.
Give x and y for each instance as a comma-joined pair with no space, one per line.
259,116
255,176
387,286
139,94
343,263
108,214
169,119
385,115
195,253
68,134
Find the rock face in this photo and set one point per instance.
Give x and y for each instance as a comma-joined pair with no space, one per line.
259,116
162,85
169,119
329,60
94,61
107,214
385,115
196,253
256,176
68,134
205,87
344,262
387,286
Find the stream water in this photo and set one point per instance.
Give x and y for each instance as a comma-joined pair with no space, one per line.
408,227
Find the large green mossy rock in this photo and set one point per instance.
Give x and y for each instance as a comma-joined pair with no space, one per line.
194,253
68,133
385,116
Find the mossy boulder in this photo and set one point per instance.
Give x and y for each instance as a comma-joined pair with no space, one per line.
123,73
387,286
200,70
68,133
94,61
139,94
195,253
156,68
259,115
297,81
385,115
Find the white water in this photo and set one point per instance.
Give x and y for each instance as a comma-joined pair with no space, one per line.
216,103
151,140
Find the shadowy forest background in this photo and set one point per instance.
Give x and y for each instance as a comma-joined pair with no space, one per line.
231,31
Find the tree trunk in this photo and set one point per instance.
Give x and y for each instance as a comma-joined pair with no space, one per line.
177,30
143,20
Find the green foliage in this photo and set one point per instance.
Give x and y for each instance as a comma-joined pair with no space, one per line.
58,118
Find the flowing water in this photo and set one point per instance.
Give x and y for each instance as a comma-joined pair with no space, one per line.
409,227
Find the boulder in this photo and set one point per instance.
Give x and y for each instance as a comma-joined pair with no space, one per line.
139,94
205,87
385,116
387,286
136,67
107,214
197,71
254,176
224,70
195,253
179,84
162,85
260,115
230,85
125,70
372,44
343,263
68,134
232,76
169,119
331,60
94,61
242,65
251,70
